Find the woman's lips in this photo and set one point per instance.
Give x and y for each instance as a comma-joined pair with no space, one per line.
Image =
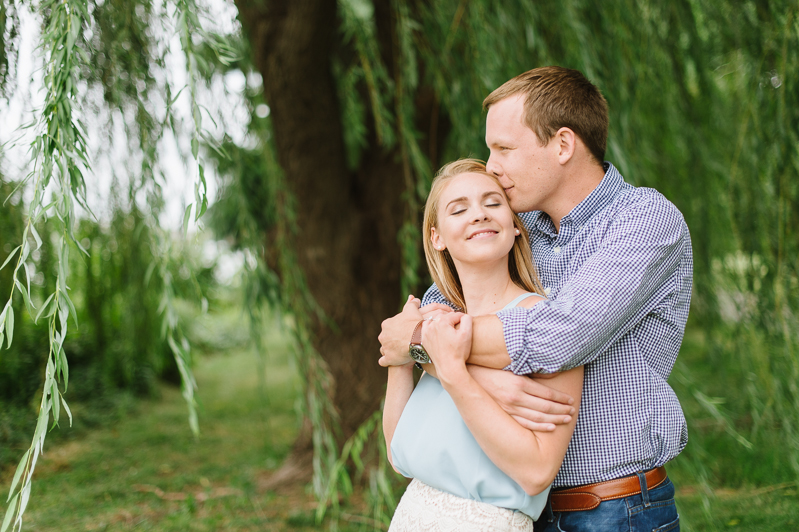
482,234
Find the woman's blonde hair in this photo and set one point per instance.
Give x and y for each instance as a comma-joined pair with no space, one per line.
439,262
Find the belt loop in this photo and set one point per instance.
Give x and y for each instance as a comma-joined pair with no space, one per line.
548,508
644,490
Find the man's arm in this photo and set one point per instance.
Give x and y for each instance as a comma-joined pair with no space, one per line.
624,280
534,405
532,402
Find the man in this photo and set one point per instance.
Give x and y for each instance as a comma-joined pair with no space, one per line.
616,264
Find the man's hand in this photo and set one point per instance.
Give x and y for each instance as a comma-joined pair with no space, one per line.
533,405
396,332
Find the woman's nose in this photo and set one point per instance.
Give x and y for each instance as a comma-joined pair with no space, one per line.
480,215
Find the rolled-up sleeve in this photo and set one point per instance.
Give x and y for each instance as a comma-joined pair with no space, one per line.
631,273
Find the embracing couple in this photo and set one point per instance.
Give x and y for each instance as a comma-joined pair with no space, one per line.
548,337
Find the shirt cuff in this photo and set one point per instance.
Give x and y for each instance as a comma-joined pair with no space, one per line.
514,326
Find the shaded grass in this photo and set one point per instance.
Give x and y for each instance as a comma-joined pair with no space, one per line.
721,483
147,472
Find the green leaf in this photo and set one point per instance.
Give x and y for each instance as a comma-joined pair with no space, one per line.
186,217
10,512
66,407
195,147
151,268
73,312
10,256
65,373
44,306
25,296
54,395
36,236
10,326
18,474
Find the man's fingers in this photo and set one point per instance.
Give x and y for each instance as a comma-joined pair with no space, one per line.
544,406
535,416
545,392
436,306
537,427
412,304
436,309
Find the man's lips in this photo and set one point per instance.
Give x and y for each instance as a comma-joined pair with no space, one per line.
482,234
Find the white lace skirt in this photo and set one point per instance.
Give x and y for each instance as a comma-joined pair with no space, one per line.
427,509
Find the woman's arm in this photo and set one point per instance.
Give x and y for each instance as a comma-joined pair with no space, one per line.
532,459
398,391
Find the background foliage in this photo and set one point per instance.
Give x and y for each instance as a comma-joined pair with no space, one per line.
704,107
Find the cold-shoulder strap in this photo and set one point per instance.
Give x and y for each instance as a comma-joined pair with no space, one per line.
519,299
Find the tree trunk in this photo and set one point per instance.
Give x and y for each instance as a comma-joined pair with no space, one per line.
348,220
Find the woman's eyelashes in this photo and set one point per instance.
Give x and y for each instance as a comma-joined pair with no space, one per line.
461,210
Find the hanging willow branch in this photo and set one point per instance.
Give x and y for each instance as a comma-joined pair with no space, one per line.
60,161
60,158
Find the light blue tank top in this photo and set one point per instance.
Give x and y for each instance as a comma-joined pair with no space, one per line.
433,444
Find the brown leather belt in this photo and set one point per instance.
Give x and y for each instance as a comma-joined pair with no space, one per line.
589,496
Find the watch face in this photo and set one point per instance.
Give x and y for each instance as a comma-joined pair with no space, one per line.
418,353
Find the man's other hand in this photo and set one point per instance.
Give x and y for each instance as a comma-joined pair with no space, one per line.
396,332
532,404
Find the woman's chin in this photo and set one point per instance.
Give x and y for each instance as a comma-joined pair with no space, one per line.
486,256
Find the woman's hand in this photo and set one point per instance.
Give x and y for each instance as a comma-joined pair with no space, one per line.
447,338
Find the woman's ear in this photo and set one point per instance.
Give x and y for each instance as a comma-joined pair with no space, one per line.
435,238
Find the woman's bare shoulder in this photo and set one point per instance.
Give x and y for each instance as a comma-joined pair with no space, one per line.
532,301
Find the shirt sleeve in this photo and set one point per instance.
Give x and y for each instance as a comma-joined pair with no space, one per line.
434,295
631,273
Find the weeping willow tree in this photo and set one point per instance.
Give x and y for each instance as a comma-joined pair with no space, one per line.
357,102
703,108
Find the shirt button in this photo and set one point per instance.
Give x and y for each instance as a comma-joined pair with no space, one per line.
557,249
547,290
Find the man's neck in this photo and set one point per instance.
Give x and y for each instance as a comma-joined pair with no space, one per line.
577,185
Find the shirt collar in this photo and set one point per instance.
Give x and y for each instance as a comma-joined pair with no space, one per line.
598,199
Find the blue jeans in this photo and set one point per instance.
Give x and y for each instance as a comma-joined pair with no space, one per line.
649,511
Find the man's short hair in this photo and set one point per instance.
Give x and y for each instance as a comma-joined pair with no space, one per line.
556,97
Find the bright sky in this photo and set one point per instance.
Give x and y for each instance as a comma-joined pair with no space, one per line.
110,161
223,99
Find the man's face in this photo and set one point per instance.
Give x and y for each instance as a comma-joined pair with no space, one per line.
528,171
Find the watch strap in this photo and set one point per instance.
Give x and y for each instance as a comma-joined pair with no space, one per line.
416,337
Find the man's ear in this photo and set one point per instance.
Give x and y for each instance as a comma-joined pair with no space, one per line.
567,144
435,238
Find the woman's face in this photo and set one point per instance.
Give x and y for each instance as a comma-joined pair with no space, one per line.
475,222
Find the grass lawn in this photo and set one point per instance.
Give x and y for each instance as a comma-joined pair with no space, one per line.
146,472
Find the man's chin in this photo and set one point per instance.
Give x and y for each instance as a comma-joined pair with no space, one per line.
518,206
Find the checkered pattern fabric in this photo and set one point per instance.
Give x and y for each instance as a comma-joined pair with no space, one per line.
618,278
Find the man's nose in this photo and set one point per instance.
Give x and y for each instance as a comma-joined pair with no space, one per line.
492,167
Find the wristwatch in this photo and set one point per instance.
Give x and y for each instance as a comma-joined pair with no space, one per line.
416,350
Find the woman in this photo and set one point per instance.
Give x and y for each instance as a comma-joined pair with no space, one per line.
474,467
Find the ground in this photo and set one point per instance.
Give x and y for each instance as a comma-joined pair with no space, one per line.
146,472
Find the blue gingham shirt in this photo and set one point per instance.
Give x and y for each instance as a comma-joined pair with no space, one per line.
618,278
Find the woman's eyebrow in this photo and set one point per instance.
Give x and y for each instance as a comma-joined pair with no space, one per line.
457,200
